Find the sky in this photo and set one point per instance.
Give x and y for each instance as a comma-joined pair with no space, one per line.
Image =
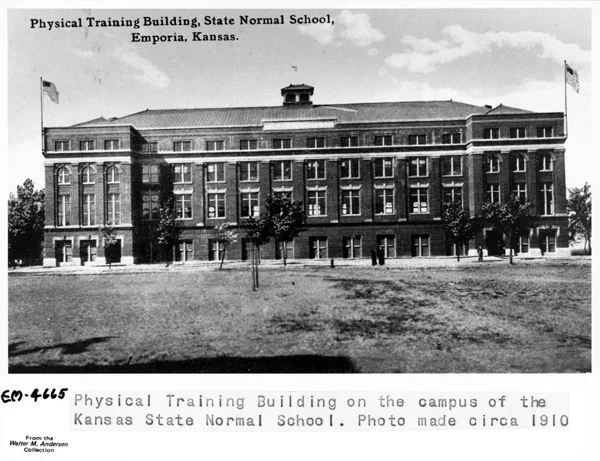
478,56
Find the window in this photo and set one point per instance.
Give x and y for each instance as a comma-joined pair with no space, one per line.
61,146
349,141
182,173
288,247
315,142
318,247
517,132
453,194
420,245
547,202
89,210
383,140
316,203
86,145
520,191
282,143
451,166
387,243
112,175
315,169
417,167
150,206
63,176
493,193
491,133
111,144
384,168
150,174
548,241
493,164
114,208
519,163
282,193
150,147
352,247
282,170
215,145
417,139
248,144
384,200
64,210
248,171
87,250
522,245
182,146
249,204
546,162
544,132
216,250
184,250
350,202
215,172
64,251
183,206
450,138
88,175
418,200
216,205
350,168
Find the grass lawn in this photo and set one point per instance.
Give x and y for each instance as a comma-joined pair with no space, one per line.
534,316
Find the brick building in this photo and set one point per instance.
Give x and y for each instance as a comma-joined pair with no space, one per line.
370,175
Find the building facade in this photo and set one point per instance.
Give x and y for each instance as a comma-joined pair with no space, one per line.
371,175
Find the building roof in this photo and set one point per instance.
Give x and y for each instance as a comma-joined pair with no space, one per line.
342,113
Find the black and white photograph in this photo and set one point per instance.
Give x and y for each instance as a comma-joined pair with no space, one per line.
301,194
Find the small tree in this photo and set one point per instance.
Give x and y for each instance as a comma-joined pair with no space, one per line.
286,220
26,223
458,225
579,207
111,244
512,219
259,233
226,236
168,229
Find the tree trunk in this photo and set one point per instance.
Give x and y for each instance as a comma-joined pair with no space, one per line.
256,274
510,244
458,252
284,251
223,256
252,263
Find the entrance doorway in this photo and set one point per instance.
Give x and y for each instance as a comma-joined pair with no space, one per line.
184,251
494,242
64,251
87,251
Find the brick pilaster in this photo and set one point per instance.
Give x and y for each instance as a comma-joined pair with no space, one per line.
75,198
50,196
231,197
560,187
126,193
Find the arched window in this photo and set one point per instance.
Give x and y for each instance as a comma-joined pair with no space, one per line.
88,175
546,162
519,163
63,175
493,164
113,175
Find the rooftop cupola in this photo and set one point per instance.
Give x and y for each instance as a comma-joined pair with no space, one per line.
297,94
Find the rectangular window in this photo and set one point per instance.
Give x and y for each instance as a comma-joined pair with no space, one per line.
450,138
288,247
491,133
315,142
420,245
248,171
150,207
150,147
182,146
317,203
517,132
383,140
282,170
493,164
493,193
64,210
387,243
150,174
89,210
352,247
315,169
418,200
384,201
519,163
216,250
215,172
248,144
417,167
216,205
111,144
384,168
349,141
61,146
453,194
523,245
451,166
547,201
86,145
114,208
350,202
520,191
546,162
282,143
350,168
282,193
548,241
249,204
183,206
215,145
417,139
318,247
544,131
182,173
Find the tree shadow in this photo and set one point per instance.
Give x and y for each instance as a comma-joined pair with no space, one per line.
67,348
274,364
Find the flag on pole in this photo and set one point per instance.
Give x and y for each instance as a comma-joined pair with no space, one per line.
50,89
572,77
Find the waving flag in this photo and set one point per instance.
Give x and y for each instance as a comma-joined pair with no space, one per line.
572,77
50,89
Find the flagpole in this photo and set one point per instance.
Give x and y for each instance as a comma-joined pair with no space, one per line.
42,113
566,119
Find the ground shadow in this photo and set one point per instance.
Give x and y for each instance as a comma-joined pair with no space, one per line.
67,348
275,364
